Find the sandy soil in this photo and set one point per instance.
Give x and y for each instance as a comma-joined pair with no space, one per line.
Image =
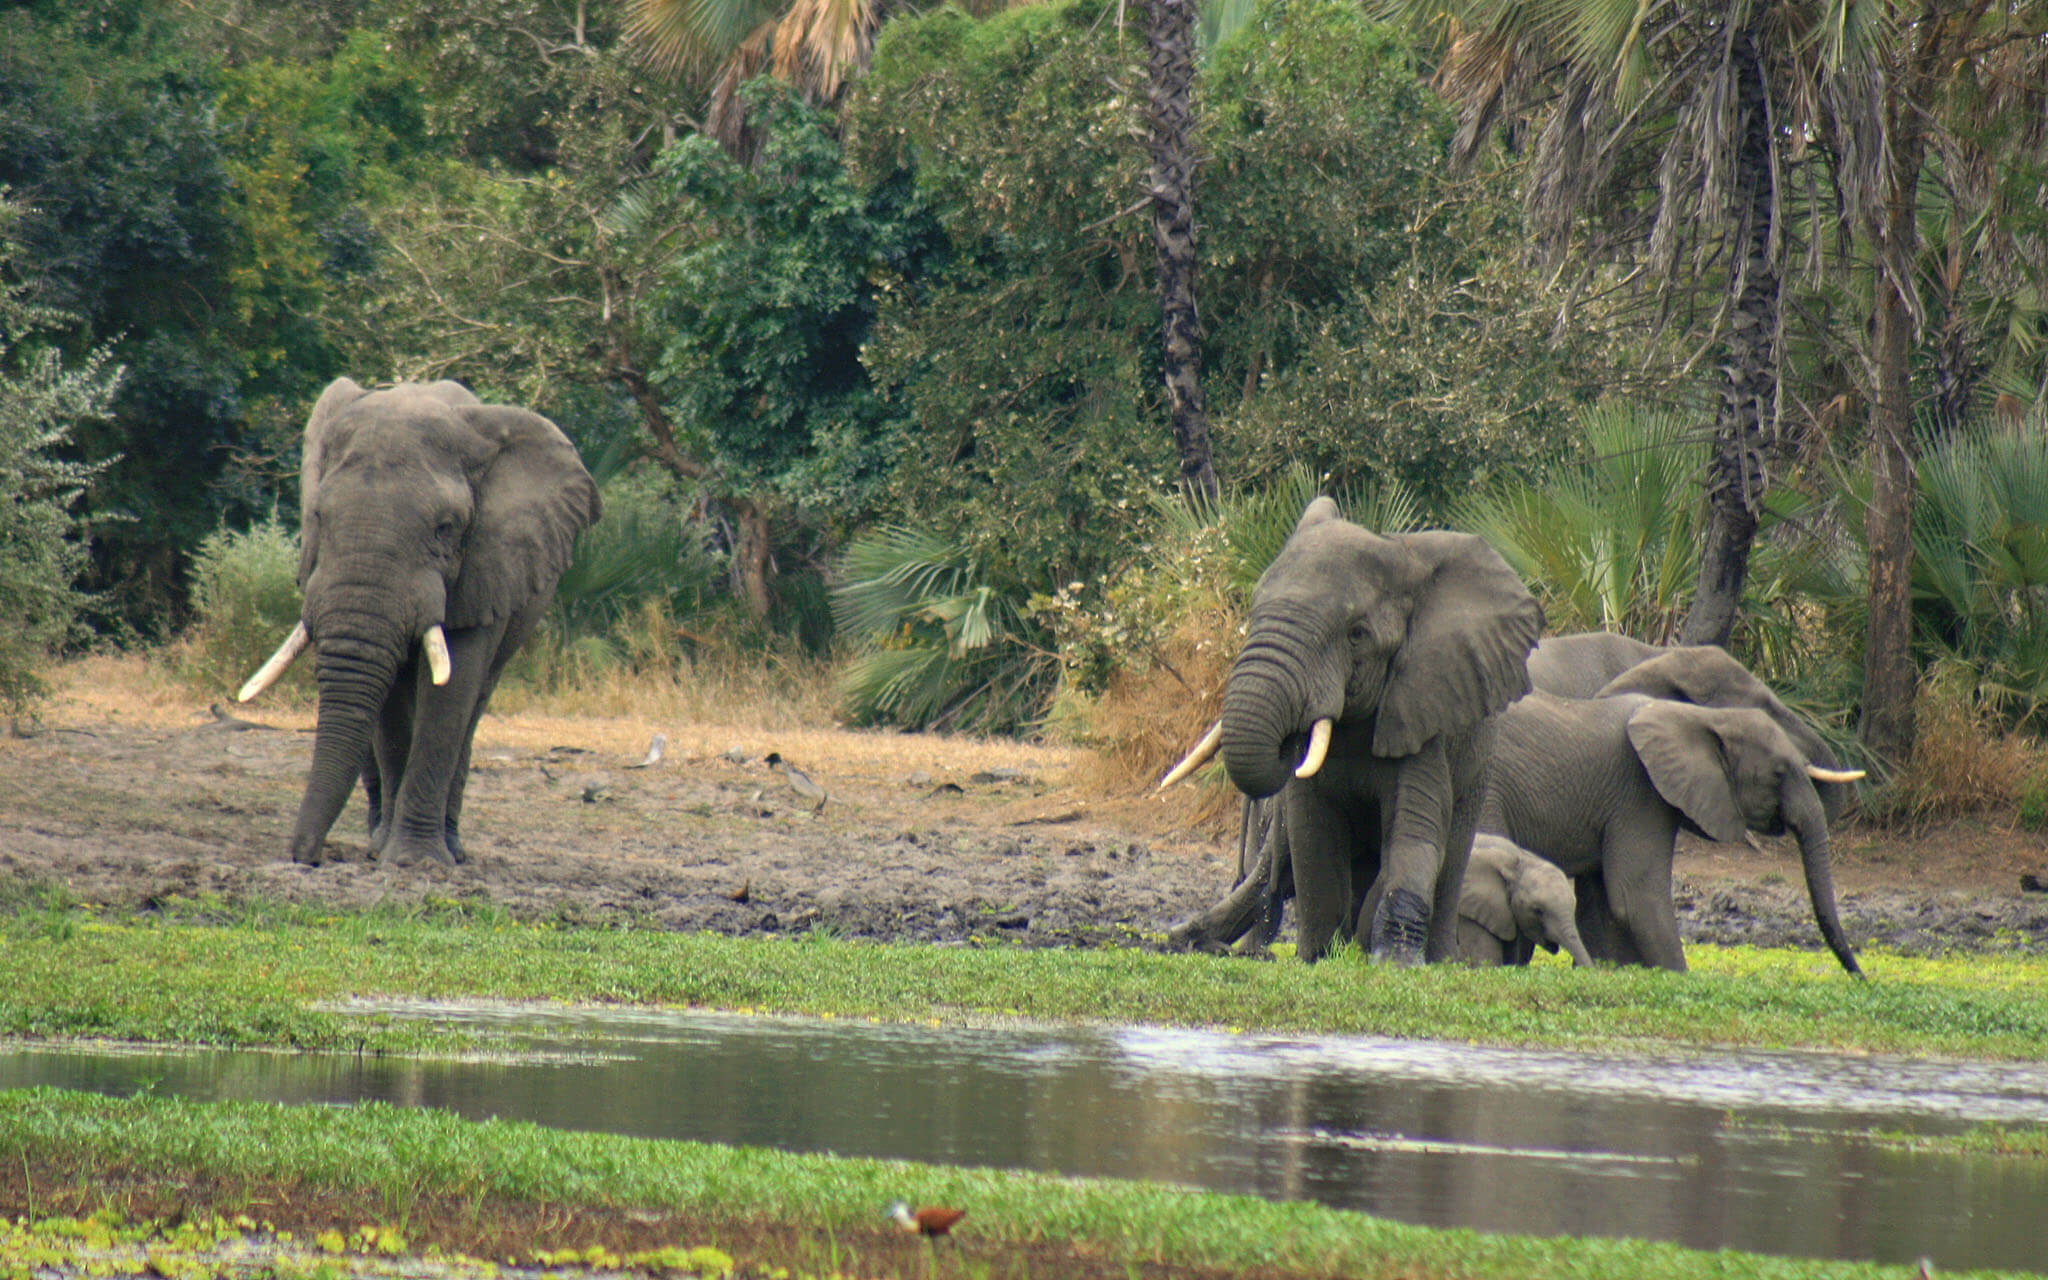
129,799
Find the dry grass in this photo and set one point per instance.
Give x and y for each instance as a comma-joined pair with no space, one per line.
1963,765
719,705
1150,716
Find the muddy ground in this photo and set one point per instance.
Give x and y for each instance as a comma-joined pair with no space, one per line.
131,801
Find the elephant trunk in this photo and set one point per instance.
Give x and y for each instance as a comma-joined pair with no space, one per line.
1807,818
1566,934
354,673
1268,706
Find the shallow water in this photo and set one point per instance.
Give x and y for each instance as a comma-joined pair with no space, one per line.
1751,1151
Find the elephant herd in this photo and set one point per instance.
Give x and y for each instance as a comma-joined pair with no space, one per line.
1391,704
1421,773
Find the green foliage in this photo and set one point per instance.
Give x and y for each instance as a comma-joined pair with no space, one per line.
1608,545
1200,560
941,648
1980,568
646,550
245,600
1023,351
763,303
43,542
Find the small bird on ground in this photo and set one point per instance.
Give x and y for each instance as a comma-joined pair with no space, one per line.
932,1220
654,750
799,781
744,892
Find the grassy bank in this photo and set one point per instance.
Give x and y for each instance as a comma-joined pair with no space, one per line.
255,980
513,1190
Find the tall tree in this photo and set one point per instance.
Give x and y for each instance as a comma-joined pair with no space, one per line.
1661,135
1170,118
1943,67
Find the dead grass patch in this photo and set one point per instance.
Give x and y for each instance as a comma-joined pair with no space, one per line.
1964,764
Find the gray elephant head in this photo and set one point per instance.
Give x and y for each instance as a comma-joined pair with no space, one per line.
1406,638
1519,899
1727,770
1706,676
424,513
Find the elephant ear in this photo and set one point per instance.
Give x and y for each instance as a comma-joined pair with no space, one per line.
1483,899
531,502
321,442
1466,654
1687,764
1702,674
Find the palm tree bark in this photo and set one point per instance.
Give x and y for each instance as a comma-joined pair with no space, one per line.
1889,678
1745,428
1170,75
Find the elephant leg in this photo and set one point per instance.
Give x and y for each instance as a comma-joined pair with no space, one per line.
1639,892
1279,883
443,719
1403,926
1450,878
515,635
1319,840
391,746
1598,928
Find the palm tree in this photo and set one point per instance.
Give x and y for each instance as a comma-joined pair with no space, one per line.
811,45
1725,103
1707,105
1170,44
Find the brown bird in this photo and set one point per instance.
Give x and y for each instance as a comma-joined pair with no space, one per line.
932,1220
744,892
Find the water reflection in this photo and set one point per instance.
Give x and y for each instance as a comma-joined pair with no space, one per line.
1689,1148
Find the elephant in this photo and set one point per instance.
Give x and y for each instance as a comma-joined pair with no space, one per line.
1591,664
433,529
1363,698
1513,902
1602,786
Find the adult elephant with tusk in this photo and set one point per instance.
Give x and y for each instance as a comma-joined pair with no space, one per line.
1602,786
433,528
1363,698
1596,664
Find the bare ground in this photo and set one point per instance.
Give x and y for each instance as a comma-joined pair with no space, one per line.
130,799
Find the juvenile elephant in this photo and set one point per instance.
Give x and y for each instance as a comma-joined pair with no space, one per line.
433,528
1513,902
1363,697
1592,664
1602,786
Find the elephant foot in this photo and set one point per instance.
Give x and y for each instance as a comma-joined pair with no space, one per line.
455,849
1400,928
402,852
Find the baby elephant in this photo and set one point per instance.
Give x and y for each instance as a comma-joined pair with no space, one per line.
1513,902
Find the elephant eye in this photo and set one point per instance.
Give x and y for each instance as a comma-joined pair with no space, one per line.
1359,632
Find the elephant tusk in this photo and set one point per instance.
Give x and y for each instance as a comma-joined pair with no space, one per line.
1819,774
1195,759
267,674
436,645
1318,747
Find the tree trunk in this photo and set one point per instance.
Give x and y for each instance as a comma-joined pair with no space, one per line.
1889,678
1170,75
753,546
1745,427
752,559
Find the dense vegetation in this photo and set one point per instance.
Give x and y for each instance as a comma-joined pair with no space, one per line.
887,317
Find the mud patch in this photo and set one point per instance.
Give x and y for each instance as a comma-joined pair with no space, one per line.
921,839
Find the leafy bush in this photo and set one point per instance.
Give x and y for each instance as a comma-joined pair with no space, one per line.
43,545
245,598
1980,564
942,648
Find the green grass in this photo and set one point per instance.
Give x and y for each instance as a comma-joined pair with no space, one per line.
255,979
403,1155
